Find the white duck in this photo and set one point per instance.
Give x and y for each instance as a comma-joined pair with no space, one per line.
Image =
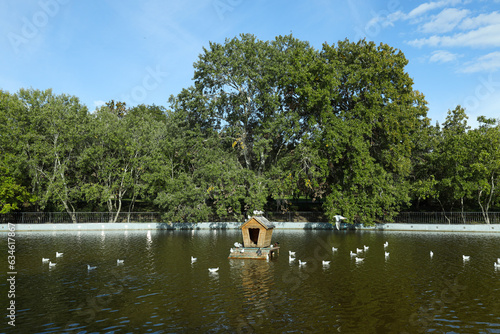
213,270
325,263
290,253
59,254
334,249
466,257
193,259
431,253
359,259
118,261
89,267
386,254
52,264
386,244
301,263
366,248
359,250
45,260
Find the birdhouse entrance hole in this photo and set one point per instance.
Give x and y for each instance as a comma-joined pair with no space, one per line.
254,235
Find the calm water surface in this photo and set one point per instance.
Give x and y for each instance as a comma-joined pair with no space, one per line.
159,290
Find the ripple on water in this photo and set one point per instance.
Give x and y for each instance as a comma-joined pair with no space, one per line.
158,289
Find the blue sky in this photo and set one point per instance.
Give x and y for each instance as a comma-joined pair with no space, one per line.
143,51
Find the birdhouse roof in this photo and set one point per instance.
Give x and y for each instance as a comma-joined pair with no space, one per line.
262,221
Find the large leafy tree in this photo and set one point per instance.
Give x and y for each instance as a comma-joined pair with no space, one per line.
452,161
115,158
45,131
245,91
365,126
485,165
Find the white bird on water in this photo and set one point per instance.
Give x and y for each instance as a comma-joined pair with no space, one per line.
353,254
386,254
334,249
89,267
497,265
325,263
466,257
193,259
359,259
213,270
59,254
118,261
291,253
365,247
52,264
237,245
45,260
431,253
359,250
301,263
498,260
290,258
386,244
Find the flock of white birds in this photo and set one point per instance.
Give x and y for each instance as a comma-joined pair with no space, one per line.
359,251
89,267
291,258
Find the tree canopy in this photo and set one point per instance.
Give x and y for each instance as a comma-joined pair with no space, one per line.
264,122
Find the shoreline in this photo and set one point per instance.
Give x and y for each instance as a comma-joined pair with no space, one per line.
491,228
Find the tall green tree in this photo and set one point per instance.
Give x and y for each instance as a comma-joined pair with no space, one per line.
244,91
47,130
115,158
365,127
485,166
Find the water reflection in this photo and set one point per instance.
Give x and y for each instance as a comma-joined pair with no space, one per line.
159,288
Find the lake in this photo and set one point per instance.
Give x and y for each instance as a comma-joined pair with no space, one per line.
158,290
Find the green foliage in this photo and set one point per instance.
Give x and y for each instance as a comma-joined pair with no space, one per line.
12,194
264,121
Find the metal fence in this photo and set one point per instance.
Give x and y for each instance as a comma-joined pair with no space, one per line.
447,218
80,217
296,216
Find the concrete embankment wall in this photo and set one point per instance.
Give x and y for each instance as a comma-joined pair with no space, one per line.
434,227
236,225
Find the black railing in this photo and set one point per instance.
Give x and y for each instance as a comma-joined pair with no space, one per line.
295,216
79,217
447,218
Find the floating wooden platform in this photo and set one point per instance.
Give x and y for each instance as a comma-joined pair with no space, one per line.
253,253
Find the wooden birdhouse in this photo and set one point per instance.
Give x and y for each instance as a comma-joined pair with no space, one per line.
257,232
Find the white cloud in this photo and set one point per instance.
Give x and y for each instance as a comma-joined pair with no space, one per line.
480,20
488,36
99,103
445,21
487,63
428,6
442,56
